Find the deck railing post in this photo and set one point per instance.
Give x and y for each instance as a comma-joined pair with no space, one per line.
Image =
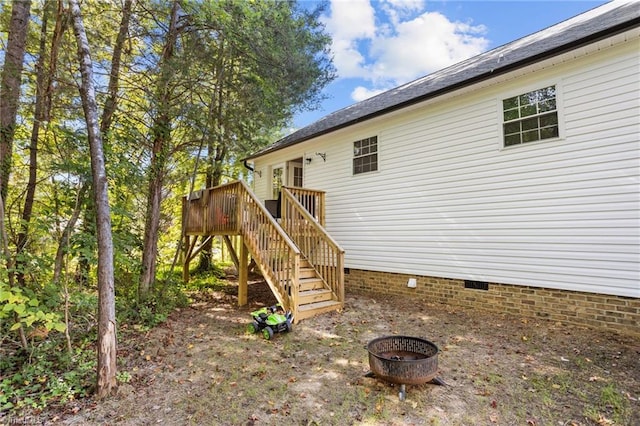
185,259
243,273
205,211
239,206
295,285
340,276
321,217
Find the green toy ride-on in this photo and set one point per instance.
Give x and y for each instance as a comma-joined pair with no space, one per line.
270,320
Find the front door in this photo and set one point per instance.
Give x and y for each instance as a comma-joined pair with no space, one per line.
286,174
295,173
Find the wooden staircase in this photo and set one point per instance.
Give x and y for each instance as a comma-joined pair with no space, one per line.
314,297
301,263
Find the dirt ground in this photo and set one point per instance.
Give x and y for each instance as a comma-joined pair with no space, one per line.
202,368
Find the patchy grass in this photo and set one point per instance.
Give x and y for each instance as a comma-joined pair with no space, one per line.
200,367
611,408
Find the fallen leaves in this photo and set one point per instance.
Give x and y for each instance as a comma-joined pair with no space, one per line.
603,421
483,392
496,376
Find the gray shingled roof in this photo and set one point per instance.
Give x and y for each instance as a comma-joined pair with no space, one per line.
585,28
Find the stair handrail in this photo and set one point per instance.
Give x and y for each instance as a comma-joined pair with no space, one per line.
275,253
268,217
329,264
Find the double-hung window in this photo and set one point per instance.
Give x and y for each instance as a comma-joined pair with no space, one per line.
530,117
365,155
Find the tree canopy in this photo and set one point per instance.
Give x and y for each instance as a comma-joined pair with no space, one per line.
173,81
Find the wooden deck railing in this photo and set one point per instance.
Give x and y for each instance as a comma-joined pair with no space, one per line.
304,228
312,200
213,211
233,209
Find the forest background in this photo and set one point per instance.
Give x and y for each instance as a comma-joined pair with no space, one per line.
110,111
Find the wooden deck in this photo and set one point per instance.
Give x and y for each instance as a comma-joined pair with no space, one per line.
301,263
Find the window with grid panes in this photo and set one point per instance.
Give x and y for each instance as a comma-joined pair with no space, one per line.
277,181
297,176
365,155
530,117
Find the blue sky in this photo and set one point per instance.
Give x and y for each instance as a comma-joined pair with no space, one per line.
381,44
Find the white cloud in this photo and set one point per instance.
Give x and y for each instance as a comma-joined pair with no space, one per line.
425,44
350,22
361,93
399,9
397,42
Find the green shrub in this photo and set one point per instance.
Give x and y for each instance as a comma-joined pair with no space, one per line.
22,308
167,295
47,376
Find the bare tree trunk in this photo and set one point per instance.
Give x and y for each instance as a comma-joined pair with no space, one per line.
106,377
44,93
10,86
110,106
9,98
4,253
151,228
161,134
67,322
33,146
66,233
62,23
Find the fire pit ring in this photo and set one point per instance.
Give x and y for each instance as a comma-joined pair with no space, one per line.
403,360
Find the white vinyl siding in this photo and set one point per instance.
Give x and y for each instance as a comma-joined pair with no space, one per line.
448,202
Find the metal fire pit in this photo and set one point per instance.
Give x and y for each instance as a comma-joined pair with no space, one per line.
403,360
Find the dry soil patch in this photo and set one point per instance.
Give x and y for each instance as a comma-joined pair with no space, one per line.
201,367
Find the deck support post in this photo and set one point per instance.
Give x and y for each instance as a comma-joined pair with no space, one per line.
243,274
186,259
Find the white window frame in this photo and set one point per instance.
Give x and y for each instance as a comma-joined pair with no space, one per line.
521,91
377,154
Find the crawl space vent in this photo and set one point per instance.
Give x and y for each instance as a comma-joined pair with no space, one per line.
476,285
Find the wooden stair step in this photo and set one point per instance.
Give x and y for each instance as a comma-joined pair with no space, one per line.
312,309
314,283
307,273
313,296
